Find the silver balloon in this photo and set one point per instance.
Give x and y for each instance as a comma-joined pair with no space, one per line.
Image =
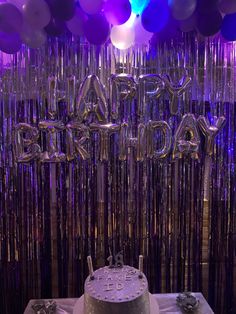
26,148
151,86
138,143
75,144
123,138
166,147
18,3
36,13
123,88
227,6
187,138
53,153
52,97
176,90
70,93
182,9
92,98
33,38
105,131
141,142
211,131
207,171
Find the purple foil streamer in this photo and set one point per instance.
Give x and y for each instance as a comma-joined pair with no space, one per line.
53,215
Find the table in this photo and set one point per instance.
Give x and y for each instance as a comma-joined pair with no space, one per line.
167,304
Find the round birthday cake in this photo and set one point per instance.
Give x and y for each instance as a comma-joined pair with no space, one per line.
117,290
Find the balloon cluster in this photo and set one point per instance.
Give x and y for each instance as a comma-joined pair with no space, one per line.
124,22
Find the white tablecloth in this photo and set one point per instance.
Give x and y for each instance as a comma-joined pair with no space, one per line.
167,304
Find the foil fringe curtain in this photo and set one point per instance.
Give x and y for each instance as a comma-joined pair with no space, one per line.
53,215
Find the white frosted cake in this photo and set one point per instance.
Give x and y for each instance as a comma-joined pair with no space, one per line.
116,290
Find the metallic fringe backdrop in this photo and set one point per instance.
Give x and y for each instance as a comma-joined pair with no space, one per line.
179,213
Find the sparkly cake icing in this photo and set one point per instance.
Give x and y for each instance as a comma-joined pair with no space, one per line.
116,290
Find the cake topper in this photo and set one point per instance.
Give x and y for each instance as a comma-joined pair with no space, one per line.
119,262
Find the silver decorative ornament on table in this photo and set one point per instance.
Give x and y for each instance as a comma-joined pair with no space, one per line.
187,302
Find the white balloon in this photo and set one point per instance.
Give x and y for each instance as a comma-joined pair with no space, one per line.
32,37
142,37
122,37
131,20
37,13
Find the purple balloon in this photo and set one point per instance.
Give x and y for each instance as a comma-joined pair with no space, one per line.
170,31
227,6
91,6
76,24
189,24
117,11
62,9
36,13
11,19
229,26
10,43
55,27
205,6
210,23
97,29
219,37
155,16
